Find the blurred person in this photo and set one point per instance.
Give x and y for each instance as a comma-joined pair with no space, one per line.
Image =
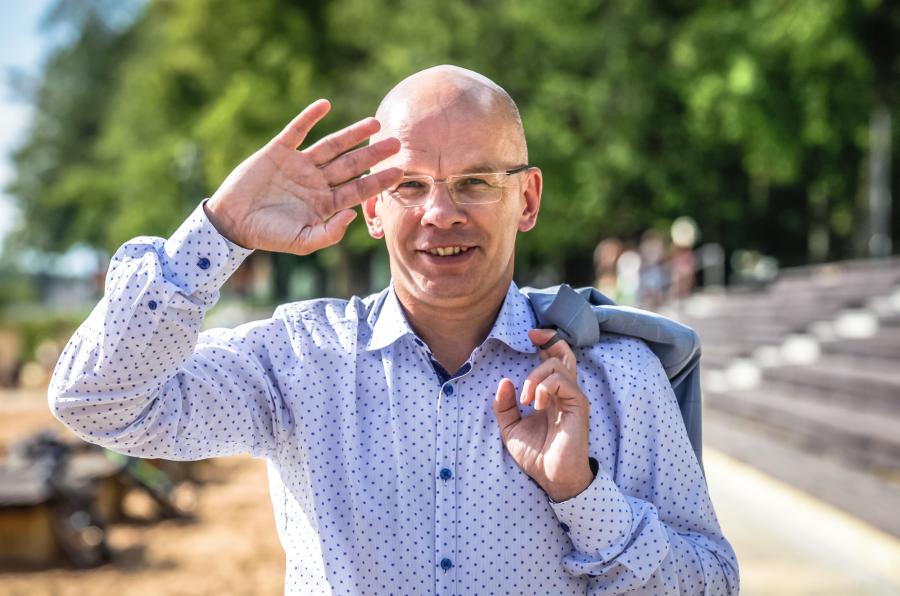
682,261
628,277
654,277
606,255
683,267
425,439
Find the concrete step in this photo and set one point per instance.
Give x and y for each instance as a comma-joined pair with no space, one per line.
876,404
869,441
790,543
861,349
874,380
871,498
884,344
754,336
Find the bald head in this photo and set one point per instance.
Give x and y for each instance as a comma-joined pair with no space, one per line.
444,92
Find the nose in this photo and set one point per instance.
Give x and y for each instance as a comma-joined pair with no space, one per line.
441,210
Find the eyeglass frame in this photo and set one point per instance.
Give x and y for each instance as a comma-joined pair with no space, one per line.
435,182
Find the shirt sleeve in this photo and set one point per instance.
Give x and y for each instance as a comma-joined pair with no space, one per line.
138,377
649,527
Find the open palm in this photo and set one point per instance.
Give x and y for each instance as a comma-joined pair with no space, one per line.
284,200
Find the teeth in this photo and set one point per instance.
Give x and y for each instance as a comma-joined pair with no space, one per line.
446,251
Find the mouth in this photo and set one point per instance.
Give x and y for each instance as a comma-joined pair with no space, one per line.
447,255
446,251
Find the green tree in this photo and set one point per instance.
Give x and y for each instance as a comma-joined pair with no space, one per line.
62,190
752,117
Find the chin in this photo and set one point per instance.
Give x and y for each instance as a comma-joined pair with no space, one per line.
448,288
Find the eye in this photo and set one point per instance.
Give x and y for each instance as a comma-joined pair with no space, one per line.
410,185
474,181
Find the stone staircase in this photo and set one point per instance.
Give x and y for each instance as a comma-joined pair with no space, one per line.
802,381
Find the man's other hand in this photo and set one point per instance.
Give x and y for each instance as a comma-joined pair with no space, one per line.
283,200
551,444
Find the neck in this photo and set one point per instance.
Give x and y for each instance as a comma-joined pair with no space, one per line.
452,332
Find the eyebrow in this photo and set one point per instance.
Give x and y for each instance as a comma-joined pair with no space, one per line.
472,169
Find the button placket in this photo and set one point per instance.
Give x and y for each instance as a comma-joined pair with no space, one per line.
446,497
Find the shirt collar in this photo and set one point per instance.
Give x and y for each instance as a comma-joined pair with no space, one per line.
511,327
514,321
390,322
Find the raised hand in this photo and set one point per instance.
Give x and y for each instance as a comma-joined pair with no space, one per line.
283,200
551,444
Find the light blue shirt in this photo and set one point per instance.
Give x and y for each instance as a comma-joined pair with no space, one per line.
388,475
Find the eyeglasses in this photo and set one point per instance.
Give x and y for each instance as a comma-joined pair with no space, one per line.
464,189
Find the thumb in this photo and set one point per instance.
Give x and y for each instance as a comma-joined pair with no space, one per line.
506,411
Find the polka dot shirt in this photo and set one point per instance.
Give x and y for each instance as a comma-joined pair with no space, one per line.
387,473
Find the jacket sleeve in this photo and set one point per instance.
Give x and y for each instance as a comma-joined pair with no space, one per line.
138,377
646,524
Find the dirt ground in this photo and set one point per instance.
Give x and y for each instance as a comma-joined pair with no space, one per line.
231,547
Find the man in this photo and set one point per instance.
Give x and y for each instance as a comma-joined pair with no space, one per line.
418,440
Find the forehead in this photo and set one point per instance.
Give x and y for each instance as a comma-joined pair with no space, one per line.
447,141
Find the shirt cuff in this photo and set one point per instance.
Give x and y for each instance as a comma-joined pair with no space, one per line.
198,258
598,520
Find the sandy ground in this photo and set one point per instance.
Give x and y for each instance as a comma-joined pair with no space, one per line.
231,547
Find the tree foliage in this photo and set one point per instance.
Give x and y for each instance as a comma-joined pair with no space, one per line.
751,117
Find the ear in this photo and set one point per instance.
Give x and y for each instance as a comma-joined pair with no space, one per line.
532,203
373,220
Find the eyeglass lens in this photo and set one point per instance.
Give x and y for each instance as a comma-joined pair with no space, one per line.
466,188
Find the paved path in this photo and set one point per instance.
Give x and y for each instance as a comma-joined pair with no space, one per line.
791,544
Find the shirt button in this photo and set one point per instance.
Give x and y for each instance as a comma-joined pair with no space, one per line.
446,564
448,389
564,526
152,305
446,474
203,263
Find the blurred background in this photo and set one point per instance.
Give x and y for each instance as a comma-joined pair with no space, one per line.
729,164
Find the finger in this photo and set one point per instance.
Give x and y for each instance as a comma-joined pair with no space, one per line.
356,191
559,387
352,164
560,349
546,345
505,409
330,232
541,372
293,134
328,148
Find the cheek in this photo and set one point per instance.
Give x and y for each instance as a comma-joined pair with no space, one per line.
501,228
399,227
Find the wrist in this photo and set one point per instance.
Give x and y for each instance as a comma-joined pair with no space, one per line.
220,221
563,491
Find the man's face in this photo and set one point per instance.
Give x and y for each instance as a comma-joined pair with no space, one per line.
446,142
